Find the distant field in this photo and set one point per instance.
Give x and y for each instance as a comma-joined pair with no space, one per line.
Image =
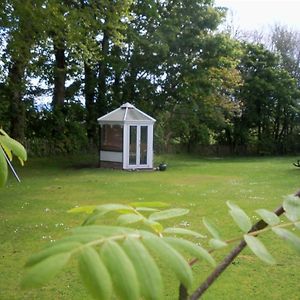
33,213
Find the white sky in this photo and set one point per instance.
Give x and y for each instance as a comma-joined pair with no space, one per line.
261,14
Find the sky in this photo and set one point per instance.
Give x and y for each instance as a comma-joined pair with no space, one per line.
252,15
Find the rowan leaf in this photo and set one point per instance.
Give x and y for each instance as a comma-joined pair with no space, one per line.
121,270
146,269
102,230
194,249
291,205
147,209
80,238
258,248
240,217
6,150
45,270
85,209
53,249
182,231
114,207
94,217
12,145
217,244
154,204
211,228
155,226
94,274
129,219
268,216
290,237
168,214
3,168
174,259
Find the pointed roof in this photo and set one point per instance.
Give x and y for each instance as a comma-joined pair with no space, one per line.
124,114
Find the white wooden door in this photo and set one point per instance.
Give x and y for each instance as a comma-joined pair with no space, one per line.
139,144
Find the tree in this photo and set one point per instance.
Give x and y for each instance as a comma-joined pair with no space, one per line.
21,22
285,42
269,99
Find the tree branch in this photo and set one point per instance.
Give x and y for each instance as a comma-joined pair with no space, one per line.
226,262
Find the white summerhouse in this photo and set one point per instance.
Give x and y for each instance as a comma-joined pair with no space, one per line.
126,139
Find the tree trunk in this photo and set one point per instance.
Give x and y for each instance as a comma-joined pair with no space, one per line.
89,91
101,99
59,77
15,90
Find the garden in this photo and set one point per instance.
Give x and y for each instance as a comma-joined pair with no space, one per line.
34,213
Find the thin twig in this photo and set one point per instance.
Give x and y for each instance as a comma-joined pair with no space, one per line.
229,259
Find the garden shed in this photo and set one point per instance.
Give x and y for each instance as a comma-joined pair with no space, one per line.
126,140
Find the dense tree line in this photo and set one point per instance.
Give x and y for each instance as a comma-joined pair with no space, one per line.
167,57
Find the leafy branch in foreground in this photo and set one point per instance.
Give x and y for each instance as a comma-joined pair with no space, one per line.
8,147
121,261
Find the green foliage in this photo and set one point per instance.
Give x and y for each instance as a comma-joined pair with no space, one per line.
122,261
123,254
121,270
258,248
45,270
94,274
3,168
291,206
290,237
149,275
269,99
268,216
240,217
9,147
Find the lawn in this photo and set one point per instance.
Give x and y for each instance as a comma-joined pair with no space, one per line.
33,213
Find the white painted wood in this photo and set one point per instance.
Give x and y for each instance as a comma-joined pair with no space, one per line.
126,147
126,135
111,156
150,146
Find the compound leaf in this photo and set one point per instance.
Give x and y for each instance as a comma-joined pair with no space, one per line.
45,270
146,269
175,261
121,270
94,274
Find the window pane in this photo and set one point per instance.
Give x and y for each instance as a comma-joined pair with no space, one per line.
112,138
143,146
132,145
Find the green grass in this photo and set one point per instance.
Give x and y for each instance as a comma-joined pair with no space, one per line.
34,212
